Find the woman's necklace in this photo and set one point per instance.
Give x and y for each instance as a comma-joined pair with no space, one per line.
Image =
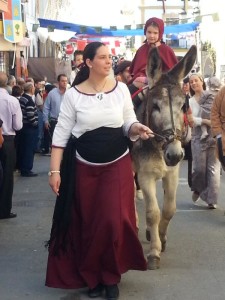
99,90
100,93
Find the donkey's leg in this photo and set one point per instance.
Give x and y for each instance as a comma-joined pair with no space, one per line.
170,183
148,186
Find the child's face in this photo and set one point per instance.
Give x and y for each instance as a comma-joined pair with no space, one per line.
152,34
78,60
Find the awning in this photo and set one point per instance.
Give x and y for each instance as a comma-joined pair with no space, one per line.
100,31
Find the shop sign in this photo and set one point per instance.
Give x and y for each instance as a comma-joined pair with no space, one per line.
12,22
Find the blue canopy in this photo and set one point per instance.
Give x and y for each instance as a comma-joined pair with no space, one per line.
100,31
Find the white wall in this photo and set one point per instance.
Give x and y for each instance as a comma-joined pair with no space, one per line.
213,31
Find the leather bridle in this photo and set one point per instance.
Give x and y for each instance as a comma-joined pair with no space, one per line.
166,136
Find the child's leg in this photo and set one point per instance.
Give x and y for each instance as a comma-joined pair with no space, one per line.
204,132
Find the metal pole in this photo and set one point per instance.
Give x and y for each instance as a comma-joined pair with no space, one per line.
198,45
186,6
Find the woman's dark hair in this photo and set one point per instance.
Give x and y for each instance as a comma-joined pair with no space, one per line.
17,91
89,52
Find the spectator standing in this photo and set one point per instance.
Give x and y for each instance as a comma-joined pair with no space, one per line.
20,81
206,167
17,91
11,82
39,104
47,137
52,104
76,63
122,72
188,125
11,115
29,132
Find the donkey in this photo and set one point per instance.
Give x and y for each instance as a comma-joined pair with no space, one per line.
159,157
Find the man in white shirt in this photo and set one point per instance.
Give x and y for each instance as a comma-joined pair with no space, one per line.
11,115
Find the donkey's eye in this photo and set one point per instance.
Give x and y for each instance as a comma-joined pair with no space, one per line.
156,107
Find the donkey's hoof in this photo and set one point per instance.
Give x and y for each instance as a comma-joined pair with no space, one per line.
163,246
153,262
148,235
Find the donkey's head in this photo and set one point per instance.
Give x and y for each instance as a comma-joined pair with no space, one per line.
162,106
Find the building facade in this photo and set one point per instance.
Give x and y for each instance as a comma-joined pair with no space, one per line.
11,50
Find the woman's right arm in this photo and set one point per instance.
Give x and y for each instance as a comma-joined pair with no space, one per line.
55,178
62,133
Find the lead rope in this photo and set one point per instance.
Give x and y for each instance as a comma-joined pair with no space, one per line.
171,111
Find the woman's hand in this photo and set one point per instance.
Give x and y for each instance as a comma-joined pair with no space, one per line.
141,130
206,122
55,179
54,182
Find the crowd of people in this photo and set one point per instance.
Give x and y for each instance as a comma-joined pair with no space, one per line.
24,129
86,129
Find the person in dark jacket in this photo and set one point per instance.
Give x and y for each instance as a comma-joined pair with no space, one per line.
29,132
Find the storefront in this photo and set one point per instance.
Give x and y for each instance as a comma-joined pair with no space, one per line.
10,51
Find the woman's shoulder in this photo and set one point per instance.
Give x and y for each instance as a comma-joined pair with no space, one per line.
166,49
71,91
143,47
122,86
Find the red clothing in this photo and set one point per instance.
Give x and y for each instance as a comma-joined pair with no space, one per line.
103,235
138,65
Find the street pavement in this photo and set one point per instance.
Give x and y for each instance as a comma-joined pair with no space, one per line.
192,268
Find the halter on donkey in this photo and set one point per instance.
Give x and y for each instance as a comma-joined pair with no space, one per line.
158,158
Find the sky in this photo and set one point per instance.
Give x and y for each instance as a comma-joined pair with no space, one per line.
99,12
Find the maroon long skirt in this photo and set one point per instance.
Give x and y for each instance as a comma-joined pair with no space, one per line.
104,242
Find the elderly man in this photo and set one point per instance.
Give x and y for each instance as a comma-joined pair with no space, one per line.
11,115
10,84
28,136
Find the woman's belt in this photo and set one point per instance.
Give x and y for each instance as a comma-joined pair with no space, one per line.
102,145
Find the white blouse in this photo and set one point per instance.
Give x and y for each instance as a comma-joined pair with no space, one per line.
196,111
80,112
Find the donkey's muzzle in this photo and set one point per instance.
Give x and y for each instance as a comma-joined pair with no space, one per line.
173,153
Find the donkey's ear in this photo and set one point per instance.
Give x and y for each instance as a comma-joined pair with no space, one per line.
154,66
184,66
